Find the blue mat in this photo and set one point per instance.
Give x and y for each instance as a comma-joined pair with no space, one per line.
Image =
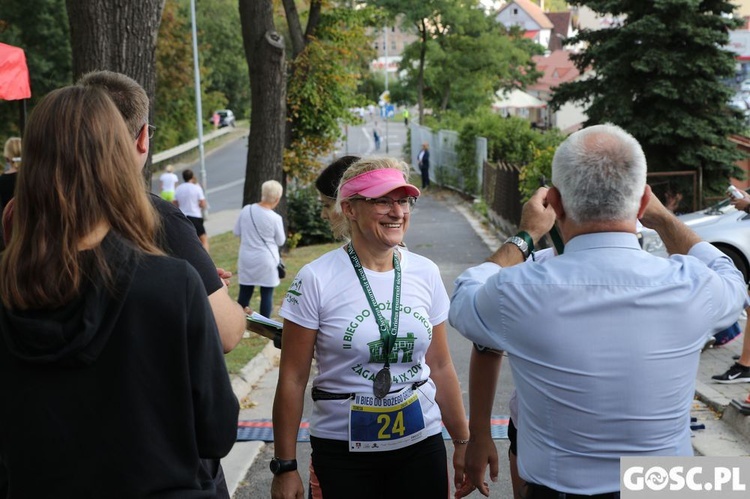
262,430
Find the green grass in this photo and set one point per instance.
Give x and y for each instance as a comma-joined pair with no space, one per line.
224,250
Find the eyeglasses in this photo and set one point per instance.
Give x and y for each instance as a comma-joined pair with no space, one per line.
384,205
151,130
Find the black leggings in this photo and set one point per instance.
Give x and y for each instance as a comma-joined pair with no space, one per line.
417,471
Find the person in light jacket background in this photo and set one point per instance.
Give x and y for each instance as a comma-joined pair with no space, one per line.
261,232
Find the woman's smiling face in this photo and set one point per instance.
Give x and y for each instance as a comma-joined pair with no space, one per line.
385,230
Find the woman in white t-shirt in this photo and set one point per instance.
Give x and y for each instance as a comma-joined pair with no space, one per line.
168,180
374,317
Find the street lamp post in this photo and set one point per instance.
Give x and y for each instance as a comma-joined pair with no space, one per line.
198,105
385,46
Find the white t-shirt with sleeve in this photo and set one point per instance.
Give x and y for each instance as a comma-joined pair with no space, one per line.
327,296
168,181
189,196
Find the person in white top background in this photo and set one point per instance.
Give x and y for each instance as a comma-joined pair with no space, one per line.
261,232
168,180
189,198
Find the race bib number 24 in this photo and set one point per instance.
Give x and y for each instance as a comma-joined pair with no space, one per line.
384,424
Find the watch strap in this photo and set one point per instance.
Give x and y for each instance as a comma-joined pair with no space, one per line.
279,466
521,244
526,237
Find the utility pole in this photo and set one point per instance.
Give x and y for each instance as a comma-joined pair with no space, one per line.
198,105
385,43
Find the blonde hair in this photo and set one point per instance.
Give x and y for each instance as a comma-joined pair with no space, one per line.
364,165
12,151
271,191
169,168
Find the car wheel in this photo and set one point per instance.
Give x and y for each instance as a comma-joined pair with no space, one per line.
737,258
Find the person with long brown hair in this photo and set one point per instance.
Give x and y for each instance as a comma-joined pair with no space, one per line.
111,367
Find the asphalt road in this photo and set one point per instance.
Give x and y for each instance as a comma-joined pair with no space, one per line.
225,166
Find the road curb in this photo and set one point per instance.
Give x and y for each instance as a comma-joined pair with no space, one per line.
243,454
267,359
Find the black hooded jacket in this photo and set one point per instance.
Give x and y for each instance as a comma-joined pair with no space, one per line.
119,393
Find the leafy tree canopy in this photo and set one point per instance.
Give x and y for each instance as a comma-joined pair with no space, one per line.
175,83
223,55
322,86
658,75
463,56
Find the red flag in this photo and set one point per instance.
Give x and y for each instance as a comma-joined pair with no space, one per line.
14,74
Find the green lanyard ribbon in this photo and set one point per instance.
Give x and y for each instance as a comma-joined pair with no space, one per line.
387,334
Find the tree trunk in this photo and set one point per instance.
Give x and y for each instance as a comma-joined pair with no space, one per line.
299,42
116,36
264,50
446,98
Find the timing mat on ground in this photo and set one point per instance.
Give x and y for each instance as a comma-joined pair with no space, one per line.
262,429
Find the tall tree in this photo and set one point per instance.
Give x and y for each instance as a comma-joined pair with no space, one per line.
462,56
469,59
657,73
221,52
324,64
264,50
174,109
329,58
116,36
425,17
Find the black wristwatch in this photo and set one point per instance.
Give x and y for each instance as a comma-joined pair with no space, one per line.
279,466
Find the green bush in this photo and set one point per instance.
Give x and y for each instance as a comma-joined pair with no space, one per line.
303,214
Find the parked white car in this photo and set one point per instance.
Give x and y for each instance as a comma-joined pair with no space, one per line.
721,225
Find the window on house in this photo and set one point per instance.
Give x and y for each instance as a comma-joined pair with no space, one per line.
393,45
376,45
515,12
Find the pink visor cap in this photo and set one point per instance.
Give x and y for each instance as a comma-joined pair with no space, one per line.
376,183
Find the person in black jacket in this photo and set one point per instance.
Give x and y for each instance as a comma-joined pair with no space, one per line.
176,235
424,164
111,367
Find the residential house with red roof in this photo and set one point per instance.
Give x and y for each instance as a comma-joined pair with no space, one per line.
557,68
528,16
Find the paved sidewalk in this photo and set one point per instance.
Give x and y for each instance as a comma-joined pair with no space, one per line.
732,428
220,221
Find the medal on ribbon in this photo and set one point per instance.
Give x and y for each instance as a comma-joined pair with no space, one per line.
382,384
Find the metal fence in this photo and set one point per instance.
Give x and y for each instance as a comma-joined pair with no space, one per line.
444,168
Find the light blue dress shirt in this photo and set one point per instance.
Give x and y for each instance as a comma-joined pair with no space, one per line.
604,343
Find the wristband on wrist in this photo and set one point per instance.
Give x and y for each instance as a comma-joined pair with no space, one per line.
523,242
458,441
526,237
